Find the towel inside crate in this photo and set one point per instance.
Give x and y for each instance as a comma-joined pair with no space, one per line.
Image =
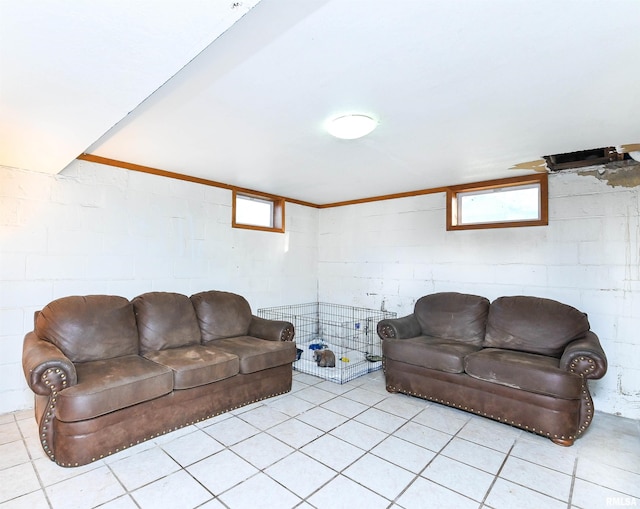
350,363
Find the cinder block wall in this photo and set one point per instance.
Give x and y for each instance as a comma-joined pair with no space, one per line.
97,229
384,255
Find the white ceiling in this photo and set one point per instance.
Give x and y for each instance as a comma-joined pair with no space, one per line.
71,69
462,89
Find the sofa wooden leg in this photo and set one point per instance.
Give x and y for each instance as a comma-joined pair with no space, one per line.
565,442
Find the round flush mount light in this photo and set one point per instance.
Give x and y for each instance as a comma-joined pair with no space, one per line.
350,127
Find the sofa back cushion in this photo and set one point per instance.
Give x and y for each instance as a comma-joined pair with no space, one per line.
452,315
221,314
534,325
89,328
165,320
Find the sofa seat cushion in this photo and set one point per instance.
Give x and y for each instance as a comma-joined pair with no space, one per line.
196,365
429,352
111,384
526,371
257,354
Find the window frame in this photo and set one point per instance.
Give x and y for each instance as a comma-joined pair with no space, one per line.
539,179
277,208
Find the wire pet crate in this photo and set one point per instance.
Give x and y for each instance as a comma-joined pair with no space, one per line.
349,332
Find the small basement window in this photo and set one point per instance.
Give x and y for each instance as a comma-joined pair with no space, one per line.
504,203
258,212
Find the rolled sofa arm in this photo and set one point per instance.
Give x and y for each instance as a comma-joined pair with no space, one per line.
273,330
585,357
399,328
45,367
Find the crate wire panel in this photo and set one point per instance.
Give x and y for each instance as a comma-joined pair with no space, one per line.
349,332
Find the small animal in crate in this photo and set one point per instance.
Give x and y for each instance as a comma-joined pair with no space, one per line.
324,358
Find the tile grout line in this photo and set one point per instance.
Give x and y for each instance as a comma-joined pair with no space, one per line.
497,474
31,462
573,482
126,491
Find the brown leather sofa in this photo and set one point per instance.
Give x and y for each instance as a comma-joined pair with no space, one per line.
109,373
524,361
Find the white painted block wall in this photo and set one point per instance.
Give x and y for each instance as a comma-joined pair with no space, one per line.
97,229
385,255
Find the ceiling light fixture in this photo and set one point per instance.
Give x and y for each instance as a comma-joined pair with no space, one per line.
350,127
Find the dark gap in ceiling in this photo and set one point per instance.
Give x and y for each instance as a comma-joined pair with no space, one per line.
582,158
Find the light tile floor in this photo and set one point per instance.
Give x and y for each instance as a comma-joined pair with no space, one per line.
332,446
